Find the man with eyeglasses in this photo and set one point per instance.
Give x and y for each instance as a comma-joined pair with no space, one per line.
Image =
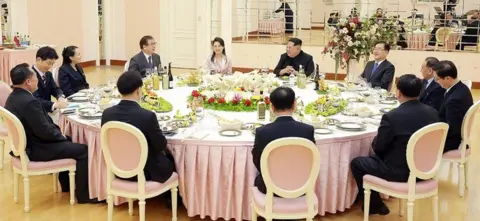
380,72
147,58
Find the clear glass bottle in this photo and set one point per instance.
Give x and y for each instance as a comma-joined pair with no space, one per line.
261,109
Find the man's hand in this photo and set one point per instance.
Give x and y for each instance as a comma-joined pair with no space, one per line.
288,70
60,104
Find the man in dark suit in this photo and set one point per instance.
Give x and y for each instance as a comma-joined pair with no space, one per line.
282,104
470,37
45,141
458,99
159,167
147,58
293,58
380,72
432,93
47,87
390,145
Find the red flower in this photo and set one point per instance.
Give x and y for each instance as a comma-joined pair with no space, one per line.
247,102
242,89
221,100
267,100
211,100
235,101
195,93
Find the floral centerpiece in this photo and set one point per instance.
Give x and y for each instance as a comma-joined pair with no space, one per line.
325,106
231,101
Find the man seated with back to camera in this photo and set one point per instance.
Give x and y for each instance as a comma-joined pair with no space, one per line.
389,161
290,61
160,164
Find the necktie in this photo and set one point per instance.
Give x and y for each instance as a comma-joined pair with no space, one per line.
44,79
150,62
425,84
375,66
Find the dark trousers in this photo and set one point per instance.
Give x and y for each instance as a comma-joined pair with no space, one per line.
69,150
374,166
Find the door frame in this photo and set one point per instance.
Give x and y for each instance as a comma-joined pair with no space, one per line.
203,30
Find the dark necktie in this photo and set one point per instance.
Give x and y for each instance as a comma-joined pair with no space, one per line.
150,65
44,79
425,84
375,66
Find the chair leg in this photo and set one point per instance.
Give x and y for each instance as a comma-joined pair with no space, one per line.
466,175
435,207
110,207
254,212
2,152
55,181
71,177
141,206
410,205
401,206
15,187
461,177
26,193
366,204
130,206
174,203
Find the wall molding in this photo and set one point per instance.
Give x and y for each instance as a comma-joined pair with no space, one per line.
86,64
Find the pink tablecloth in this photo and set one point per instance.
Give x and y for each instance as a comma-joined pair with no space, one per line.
419,41
215,178
10,58
271,26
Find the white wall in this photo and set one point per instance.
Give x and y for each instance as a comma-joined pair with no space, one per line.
118,23
18,12
90,30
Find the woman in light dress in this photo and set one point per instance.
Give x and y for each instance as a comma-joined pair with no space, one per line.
218,62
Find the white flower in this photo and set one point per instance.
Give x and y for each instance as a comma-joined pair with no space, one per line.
355,51
350,43
335,39
345,30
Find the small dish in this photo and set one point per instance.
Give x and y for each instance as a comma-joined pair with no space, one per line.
163,117
349,113
323,130
169,129
230,133
331,121
351,126
251,126
389,102
180,123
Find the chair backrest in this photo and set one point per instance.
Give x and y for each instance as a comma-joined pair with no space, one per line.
467,126
290,180
424,151
125,150
442,35
5,90
468,83
16,137
55,75
127,64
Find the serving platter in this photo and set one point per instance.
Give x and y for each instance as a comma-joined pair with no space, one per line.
89,113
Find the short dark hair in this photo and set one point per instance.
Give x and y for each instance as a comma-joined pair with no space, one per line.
282,98
446,69
128,82
67,53
45,53
295,41
20,73
409,85
386,46
431,62
144,40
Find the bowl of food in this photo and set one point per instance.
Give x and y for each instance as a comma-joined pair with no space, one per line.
226,124
104,103
364,112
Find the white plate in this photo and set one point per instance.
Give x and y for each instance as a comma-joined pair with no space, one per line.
377,117
388,101
323,131
80,99
230,133
351,126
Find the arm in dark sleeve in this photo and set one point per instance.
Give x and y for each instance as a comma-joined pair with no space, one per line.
40,125
281,9
387,77
64,81
384,137
133,65
454,117
363,73
279,66
436,97
312,135
309,66
45,103
157,139
257,150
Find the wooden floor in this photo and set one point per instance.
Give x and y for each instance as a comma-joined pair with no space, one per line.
46,205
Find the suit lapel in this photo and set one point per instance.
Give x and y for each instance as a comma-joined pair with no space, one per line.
40,79
379,68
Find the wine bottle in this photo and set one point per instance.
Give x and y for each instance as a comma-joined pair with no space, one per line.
170,76
316,78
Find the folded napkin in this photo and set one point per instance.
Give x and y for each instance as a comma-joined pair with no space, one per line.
68,110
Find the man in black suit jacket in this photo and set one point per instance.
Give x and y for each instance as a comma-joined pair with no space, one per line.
159,167
147,58
390,144
379,72
282,103
432,93
458,99
293,58
45,141
47,87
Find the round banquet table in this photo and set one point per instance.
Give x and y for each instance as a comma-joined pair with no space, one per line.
216,173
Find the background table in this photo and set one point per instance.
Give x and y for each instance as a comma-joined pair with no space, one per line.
9,58
419,40
271,26
217,173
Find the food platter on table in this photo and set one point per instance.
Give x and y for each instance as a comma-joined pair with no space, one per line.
331,121
251,126
389,102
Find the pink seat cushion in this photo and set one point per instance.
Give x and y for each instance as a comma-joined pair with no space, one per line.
284,206
421,187
3,131
150,186
38,165
455,154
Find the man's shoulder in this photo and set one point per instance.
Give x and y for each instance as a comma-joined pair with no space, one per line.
306,55
389,63
156,55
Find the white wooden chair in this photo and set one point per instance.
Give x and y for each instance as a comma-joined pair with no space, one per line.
424,155
442,36
289,181
127,64
55,75
5,90
125,150
462,154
